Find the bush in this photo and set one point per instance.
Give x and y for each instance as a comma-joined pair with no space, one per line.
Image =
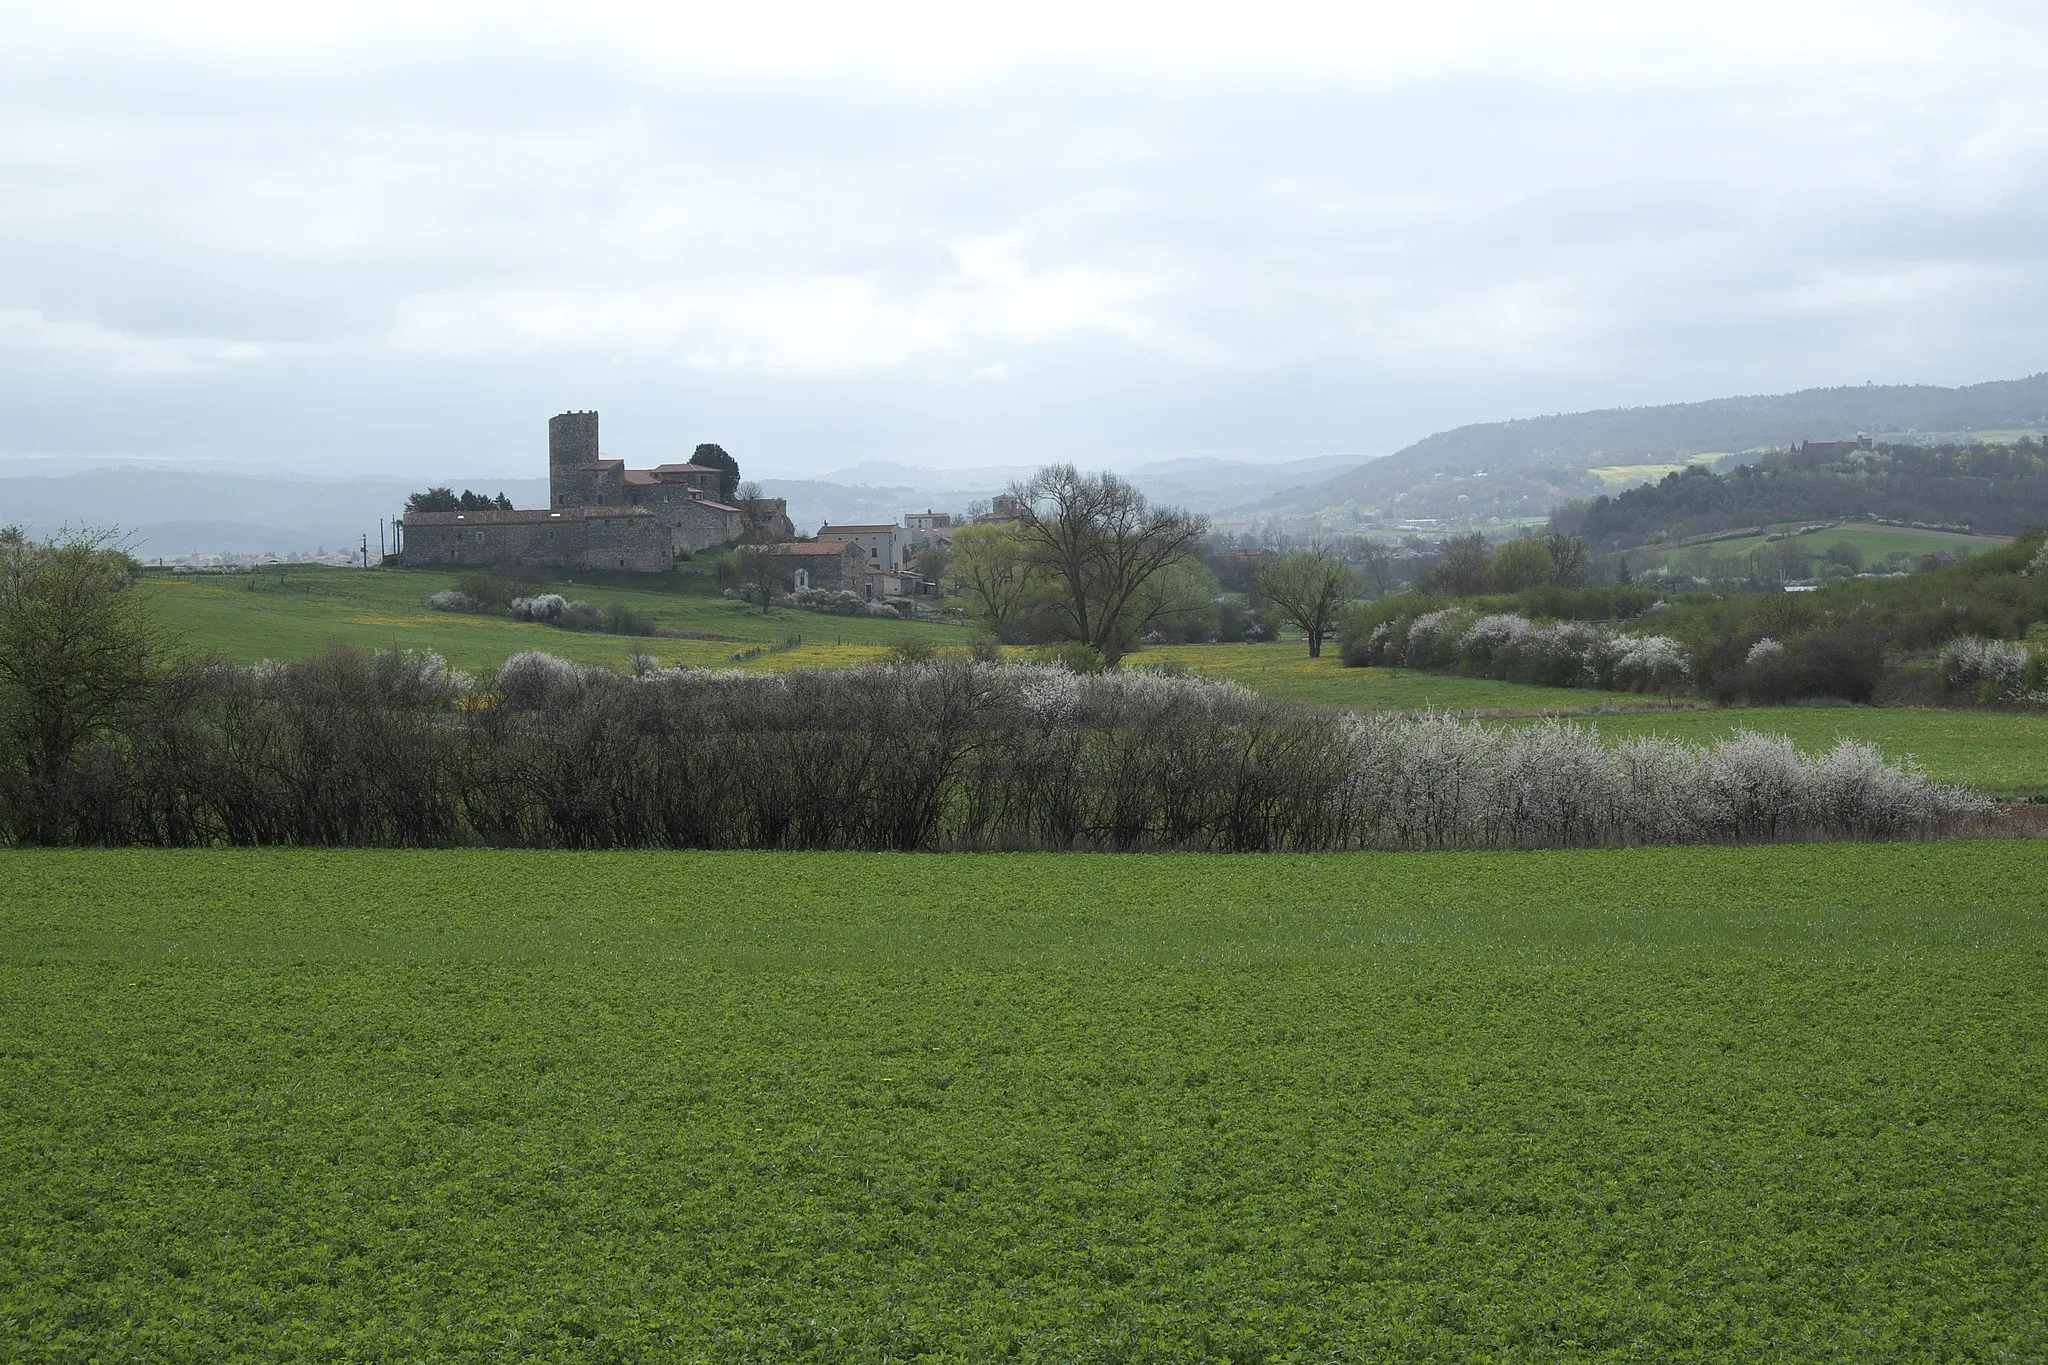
448,599
347,749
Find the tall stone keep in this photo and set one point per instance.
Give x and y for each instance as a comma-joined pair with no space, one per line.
572,449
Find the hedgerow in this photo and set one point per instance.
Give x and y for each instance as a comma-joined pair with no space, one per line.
396,749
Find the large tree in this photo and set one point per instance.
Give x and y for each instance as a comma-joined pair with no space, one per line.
1096,542
78,652
1308,589
989,566
714,457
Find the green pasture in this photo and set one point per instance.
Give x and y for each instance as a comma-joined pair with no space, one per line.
1284,670
245,617
1672,1104
1874,543
1997,752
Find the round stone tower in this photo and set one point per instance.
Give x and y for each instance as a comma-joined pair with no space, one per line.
572,444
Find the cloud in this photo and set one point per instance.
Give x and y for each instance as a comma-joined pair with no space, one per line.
823,231
123,353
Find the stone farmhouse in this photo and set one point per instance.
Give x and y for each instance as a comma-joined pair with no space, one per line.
600,514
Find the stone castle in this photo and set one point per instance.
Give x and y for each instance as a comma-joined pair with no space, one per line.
600,514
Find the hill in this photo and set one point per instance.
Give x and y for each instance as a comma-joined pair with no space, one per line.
1991,489
1523,467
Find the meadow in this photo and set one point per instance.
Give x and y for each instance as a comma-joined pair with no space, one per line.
1705,1104
246,617
1875,544
1999,752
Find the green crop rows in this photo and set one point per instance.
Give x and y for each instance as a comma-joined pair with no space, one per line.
1728,1104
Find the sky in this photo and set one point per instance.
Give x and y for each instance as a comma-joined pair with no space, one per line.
393,238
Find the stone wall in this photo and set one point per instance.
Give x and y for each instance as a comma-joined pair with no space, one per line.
692,524
575,537
572,449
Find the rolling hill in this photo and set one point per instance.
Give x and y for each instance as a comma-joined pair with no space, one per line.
1523,467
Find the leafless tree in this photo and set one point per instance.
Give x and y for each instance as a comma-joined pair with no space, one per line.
1096,542
1308,589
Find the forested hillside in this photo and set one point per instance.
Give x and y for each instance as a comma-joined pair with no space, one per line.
1990,489
1507,469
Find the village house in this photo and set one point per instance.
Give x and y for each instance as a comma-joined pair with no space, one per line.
884,547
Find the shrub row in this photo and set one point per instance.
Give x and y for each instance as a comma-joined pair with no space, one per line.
1515,649
396,749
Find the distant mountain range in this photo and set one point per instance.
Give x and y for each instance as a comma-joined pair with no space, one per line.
168,513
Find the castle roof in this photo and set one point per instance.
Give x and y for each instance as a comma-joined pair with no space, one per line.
686,469
642,478
806,548
857,530
604,464
533,517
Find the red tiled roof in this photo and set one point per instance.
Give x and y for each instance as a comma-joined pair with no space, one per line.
498,517
834,548
604,464
641,478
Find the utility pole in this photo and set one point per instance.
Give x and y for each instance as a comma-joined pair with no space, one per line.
380,540
366,549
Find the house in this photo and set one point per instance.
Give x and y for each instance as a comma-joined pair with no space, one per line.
883,547
827,565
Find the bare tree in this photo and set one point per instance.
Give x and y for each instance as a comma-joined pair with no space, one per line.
1096,542
760,579
1378,559
1308,589
1571,558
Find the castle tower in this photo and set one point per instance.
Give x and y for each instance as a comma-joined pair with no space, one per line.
572,444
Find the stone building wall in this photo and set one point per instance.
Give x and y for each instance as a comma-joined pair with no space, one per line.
572,449
575,537
834,566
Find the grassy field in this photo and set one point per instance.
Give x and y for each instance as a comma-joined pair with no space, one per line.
1285,670
1997,752
1706,1104
1873,543
250,617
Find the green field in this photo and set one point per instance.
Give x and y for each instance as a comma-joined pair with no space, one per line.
246,617
1285,670
1874,543
1997,752
1705,1104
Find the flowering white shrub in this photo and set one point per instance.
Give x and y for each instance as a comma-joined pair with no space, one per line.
1764,653
1995,670
1647,663
547,608
448,599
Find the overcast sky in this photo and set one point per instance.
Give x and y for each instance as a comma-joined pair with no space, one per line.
395,237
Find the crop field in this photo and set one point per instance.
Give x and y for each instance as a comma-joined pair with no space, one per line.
255,616
1708,1104
1997,752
